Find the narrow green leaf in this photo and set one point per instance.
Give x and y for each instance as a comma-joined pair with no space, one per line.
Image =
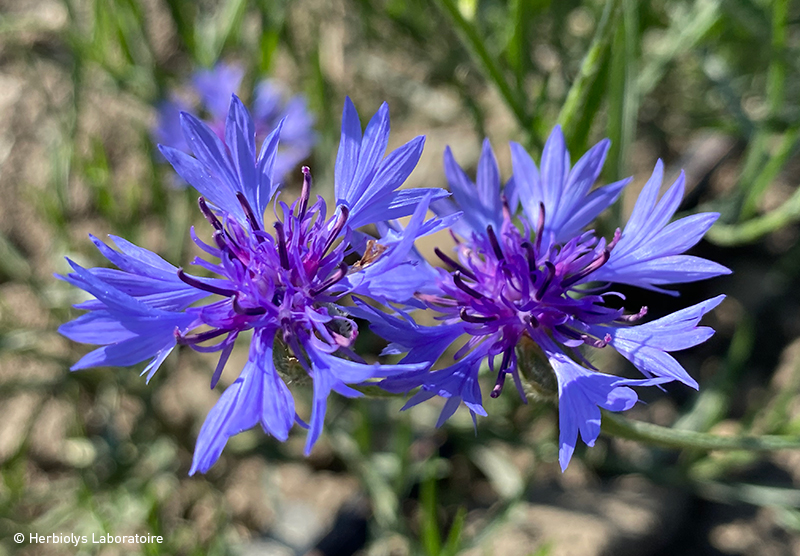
213,33
776,75
623,102
487,61
685,31
577,97
431,539
453,543
755,228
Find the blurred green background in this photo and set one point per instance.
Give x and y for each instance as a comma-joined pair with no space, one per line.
710,86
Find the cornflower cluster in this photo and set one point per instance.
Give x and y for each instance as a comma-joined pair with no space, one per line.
526,277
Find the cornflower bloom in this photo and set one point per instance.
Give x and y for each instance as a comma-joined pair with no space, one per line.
521,281
213,89
282,284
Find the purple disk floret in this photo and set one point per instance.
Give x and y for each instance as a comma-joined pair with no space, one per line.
519,277
213,89
282,281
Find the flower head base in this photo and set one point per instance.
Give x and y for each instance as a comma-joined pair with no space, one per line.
213,89
524,277
283,281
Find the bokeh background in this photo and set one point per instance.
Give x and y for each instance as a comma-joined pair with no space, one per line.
710,86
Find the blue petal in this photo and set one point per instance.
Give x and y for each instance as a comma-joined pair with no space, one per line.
555,165
331,372
649,252
527,182
125,353
373,147
240,140
391,174
589,208
96,327
347,157
212,153
472,199
215,189
265,167
458,382
323,382
488,182
394,205
646,345
259,395
145,275
150,331
581,394
423,343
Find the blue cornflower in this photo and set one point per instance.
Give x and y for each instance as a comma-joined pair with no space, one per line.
284,284
518,279
213,89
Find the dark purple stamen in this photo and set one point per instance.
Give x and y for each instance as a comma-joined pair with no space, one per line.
454,264
194,282
250,311
223,359
340,273
551,272
507,354
344,213
459,282
209,215
531,320
219,239
476,319
305,193
530,254
190,339
498,386
501,375
498,252
591,267
540,228
282,253
248,211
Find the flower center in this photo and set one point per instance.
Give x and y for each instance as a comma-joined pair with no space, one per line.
504,286
280,279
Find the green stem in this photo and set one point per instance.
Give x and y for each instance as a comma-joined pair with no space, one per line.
776,75
590,69
616,425
755,228
682,35
473,41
